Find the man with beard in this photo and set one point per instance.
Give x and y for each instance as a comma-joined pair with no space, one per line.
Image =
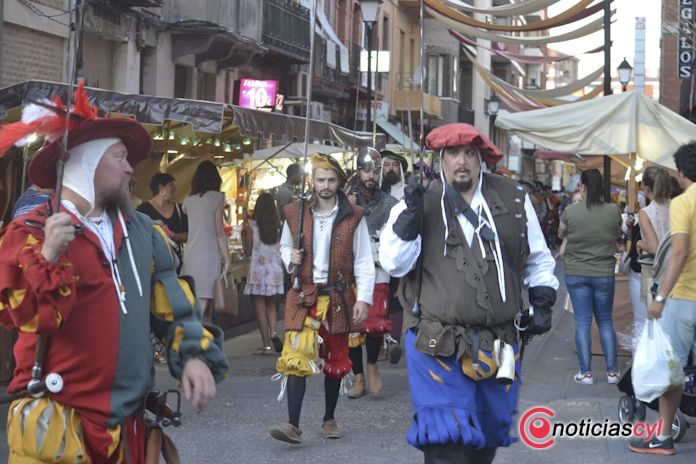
333,257
392,181
377,204
479,242
393,178
286,193
94,278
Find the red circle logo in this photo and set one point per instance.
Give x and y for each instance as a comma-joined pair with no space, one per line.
535,427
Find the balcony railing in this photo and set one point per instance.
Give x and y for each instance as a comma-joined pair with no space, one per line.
286,28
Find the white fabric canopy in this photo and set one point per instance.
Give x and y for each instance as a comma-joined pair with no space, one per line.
618,124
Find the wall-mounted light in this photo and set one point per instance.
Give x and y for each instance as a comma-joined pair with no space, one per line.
172,135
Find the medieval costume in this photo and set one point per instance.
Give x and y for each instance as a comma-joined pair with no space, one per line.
115,283
376,205
394,185
319,316
474,260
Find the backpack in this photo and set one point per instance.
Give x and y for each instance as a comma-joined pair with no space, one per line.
662,256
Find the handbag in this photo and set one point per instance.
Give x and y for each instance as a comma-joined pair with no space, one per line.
625,263
225,295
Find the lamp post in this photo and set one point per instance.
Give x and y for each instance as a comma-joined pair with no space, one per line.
625,71
370,14
492,109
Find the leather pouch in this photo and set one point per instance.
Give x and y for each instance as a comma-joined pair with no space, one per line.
434,339
307,296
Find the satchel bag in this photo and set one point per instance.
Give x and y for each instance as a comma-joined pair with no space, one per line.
625,263
225,295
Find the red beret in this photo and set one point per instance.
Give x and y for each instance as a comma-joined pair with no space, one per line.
461,134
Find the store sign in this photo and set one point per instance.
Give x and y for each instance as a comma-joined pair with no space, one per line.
257,94
380,110
686,41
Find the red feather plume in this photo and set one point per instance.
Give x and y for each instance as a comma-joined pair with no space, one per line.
46,121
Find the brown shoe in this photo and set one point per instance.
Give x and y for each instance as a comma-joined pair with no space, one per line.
286,432
373,379
330,430
358,388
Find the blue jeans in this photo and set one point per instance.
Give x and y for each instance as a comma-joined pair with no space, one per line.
593,295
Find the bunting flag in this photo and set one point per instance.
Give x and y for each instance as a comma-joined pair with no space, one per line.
515,9
530,41
516,56
576,12
526,59
524,100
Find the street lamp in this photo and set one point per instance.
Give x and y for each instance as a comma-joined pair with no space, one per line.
493,105
625,71
492,108
370,14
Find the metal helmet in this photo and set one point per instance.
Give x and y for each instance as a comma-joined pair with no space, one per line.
368,159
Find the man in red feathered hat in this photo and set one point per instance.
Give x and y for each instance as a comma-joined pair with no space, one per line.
480,242
94,279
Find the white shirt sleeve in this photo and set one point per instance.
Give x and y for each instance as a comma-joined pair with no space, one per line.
396,256
363,266
539,269
286,246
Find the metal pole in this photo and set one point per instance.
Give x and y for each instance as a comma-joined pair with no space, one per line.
310,78
373,129
2,30
422,89
368,26
607,89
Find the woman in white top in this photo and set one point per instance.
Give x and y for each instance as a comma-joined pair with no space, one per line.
206,248
654,226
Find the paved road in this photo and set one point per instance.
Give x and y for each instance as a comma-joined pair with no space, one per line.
235,430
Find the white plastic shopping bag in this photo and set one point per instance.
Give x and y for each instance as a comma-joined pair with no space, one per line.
656,368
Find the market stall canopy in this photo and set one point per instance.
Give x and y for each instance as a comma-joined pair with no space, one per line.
179,127
293,150
618,124
284,128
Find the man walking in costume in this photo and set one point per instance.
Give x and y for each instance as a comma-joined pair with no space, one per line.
393,181
333,256
93,279
479,242
376,204
393,175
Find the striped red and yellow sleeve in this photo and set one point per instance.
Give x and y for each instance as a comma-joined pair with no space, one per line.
35,295
176,315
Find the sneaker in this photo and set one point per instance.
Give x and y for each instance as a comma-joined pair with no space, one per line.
286,432
585,379
613,377
652,446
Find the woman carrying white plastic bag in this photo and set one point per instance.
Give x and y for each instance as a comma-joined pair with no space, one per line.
656,368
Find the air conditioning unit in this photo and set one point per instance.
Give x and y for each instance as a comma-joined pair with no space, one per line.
297,87
316,111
